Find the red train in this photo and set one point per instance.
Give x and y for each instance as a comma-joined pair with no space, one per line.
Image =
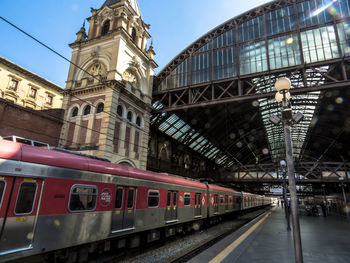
71,205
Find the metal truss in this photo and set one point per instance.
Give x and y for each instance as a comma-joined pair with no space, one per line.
315,77
306,173
308,80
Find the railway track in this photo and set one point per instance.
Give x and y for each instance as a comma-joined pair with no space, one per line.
208,243
182,249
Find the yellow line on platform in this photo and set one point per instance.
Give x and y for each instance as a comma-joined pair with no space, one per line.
220,257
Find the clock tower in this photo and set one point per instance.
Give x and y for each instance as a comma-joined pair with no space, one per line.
108,91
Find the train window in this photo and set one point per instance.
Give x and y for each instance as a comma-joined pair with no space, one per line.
187,199
221,199
2,188
130,203
119,198
83,198
175,199
25,198
153,198
168,199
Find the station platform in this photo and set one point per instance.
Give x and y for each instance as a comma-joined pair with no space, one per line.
324,240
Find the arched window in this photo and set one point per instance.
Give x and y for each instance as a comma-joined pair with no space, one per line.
75,112
120,111
138,121
87,110
105,28
129,116
100,107
133,34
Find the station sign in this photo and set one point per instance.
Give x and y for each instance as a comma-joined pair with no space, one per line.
276,191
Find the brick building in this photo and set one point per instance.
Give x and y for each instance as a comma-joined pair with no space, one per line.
44,126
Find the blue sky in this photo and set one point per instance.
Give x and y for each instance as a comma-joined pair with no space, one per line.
175,24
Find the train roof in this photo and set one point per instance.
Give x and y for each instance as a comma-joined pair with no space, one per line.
245,193
214,187
27,153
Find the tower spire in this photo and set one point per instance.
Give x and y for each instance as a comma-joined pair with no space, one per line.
133,3
81,35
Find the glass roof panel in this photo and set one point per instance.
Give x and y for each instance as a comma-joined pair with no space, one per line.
304,103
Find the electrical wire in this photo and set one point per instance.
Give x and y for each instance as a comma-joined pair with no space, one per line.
70,93
60,55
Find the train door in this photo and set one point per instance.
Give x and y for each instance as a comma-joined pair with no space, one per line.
171,207
124,209
175,200
197,204
238,201
226,202
230,202
216,203
19,209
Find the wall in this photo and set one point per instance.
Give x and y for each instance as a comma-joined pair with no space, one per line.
44,126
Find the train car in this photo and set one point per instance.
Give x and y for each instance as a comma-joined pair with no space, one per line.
51,201
250,200
221,200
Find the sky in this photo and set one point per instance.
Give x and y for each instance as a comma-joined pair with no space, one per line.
175,24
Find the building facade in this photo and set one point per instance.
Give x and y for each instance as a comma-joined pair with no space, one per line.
27,89
107,100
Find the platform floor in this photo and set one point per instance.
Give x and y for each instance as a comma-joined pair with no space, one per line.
324,240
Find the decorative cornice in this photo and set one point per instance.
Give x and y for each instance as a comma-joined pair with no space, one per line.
110,35
30,74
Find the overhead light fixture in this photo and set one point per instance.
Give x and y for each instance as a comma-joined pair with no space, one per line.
274,119
297,117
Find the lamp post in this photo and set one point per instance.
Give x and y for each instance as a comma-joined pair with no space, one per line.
341,179
283,86
284,174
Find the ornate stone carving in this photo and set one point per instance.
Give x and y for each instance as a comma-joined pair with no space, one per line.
130,77
136,62
97,69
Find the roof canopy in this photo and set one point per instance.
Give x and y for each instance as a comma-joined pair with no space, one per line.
217,95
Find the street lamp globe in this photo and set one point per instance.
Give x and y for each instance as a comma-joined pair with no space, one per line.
283,163
279,96
283,84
